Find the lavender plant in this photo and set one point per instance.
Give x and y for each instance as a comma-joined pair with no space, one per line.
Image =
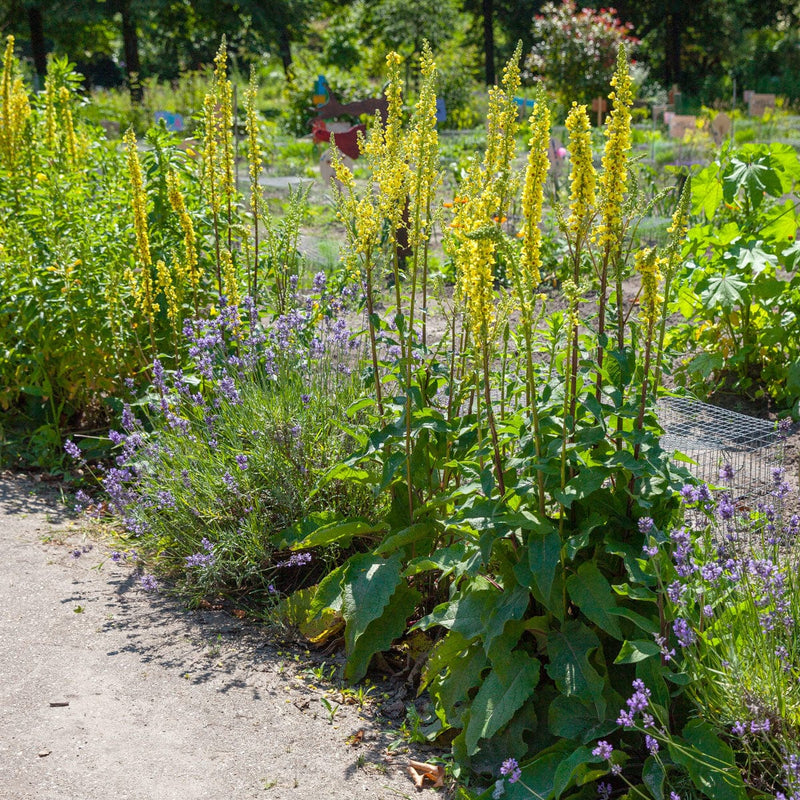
228,449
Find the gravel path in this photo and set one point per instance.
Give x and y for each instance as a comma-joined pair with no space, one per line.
112,693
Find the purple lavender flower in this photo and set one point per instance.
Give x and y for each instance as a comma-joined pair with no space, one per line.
295,560
320,279
651,744
684,633
739,728
603,750
305,399
689,494
726,472
510,769
760,727
645,525
785,426
158,376
604,791
708,611
116,557
241,461
616,769
674,796
296,431
674,591
72,450
149,583
230,483
76,553
650,550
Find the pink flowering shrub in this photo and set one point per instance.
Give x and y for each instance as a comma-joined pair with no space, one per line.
575,50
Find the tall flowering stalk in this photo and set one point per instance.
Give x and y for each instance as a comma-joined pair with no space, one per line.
613,185
255,163
422,157
385,153
68,126
189,263
362,230
583,183
527,274
143,285
217,168
677,231
14,109
648,265
477,231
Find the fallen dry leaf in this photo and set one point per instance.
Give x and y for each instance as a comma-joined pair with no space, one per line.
356,738
420,770
239,613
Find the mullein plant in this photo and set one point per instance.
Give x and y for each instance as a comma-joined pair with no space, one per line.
403,177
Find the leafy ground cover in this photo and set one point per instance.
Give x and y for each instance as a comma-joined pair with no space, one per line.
494,495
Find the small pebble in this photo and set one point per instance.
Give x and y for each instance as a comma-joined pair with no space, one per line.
43,753
59,703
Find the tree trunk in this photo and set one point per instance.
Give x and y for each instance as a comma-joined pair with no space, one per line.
488,40
38,47
130,44
672,61
285,50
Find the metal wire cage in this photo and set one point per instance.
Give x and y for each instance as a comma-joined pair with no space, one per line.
713,437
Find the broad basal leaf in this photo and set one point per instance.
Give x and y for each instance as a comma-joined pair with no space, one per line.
381,632
503,692
569,650
367,587
592,593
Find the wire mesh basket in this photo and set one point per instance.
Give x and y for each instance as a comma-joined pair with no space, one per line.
714,437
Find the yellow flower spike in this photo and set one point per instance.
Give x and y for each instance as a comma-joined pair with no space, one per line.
423,148
167,286
138,201
229,279
223,94
583,178
533,200
210,152
5,96
69,127
14,108
648,265
189,270
614,178
50,111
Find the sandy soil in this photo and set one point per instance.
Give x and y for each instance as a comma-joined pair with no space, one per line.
108,691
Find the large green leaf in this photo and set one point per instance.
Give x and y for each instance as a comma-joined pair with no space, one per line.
381,632
724,291
504,691
454,668
706,191
709,762
544,556
570,767
653,775
368,585
636,650
339,532
755,176
467,614
753,256
592,593
569,650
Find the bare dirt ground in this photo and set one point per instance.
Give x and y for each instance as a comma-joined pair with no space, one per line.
111,692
